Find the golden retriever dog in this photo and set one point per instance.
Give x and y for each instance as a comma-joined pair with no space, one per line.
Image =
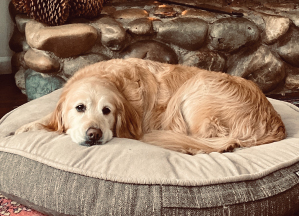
181,108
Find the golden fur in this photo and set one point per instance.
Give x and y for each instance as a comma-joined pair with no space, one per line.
181,108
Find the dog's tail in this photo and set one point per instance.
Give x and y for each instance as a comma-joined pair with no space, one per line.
188,144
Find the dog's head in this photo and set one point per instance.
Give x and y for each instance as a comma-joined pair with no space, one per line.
92,111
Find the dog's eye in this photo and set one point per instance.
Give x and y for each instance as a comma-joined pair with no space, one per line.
106,110
81,108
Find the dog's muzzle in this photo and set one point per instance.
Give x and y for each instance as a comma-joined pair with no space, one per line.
93,136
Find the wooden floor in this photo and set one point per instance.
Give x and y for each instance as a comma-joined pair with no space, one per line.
10,95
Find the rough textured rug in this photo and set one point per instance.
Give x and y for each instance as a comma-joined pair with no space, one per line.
12,208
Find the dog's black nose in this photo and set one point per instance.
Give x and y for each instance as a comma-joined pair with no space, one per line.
94,134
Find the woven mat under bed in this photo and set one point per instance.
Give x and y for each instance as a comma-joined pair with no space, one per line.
12,208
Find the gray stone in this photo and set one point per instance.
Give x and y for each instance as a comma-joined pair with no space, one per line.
20,80
165,11
257,19
289,10
17,42
108,10
207,60
21,21
32,28
157,23
113,35
179,9
141,26
288,48
188,33
292,15
258,65
281,6
275,27
229,34
64,41
202,14
40,61
292,81
130,13
39,84
17,62
151,50
74,64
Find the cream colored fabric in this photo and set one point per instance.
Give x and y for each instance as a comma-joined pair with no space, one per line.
131,161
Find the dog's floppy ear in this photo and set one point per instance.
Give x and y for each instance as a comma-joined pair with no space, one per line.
56,122
128,122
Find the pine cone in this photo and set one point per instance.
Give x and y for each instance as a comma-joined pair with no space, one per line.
56,12
22,6
86,8
51,12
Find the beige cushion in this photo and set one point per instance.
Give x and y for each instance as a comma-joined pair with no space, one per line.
131,161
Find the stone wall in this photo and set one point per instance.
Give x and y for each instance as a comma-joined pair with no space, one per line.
260,43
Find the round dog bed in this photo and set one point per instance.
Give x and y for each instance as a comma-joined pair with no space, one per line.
48,172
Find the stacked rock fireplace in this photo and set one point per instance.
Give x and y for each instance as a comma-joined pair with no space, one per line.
258,41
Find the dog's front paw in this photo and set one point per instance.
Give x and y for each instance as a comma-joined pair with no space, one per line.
33,126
